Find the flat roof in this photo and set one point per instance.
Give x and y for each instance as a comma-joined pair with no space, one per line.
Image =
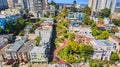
16,46
40,49
102,43
45,35
27,47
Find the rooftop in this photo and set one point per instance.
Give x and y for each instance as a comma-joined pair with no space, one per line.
40,49
75,15
98,44
45,35
75,24
47,23
16,46
28,46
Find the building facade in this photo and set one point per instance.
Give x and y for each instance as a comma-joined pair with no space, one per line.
24,52
38,55
116,40
97,5
90,3
25,4
3,4
41,54
103,49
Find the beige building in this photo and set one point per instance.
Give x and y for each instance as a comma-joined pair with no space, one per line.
97,5
90,3
83,38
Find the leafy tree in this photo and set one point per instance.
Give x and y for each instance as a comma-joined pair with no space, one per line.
114,57
1,30
100,34
21,33
47,14
95,31
40,21
37,40
86,50
114,29
104,35
87,11
73,9
105,12
74,45
116,22
64,12
71,36
54,4
32,30
64,31
88,21
75,52
58,40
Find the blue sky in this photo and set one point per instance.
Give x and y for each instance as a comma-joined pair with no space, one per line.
71,1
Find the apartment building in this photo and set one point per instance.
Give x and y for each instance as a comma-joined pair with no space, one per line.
11,50
103,49
38,55
75,16
24,52
97,5
41,53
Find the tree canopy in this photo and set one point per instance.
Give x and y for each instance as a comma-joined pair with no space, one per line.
75,52
99,34
105,12
87,11
37,40
114,57
116,22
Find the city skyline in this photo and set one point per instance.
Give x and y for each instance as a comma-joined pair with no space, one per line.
71,1
85,2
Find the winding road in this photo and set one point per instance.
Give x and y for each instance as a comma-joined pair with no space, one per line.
59,61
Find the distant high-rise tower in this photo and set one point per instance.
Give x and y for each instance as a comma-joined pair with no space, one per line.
3,4
34,5
90,3
97,5
25,4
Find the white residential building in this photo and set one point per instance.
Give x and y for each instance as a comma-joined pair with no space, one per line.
97,5
103,49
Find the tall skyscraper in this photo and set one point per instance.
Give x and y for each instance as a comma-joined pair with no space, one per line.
90,3
25,4
3,4
36,5
97,5
45,4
